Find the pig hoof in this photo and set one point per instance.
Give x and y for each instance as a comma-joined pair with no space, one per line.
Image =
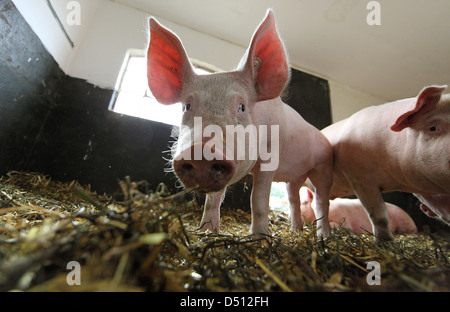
324,232
383,237
208,226
296,228
260,233
322,235
261,236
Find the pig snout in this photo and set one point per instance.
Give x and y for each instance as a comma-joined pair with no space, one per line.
205,174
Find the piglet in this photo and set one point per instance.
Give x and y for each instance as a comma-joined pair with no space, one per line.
235,123
350,213
398,146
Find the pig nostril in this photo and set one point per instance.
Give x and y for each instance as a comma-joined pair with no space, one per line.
220,168
220,171
187,167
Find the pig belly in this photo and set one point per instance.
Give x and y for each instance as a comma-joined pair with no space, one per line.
340,186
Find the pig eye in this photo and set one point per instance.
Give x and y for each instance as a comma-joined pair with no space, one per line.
241,107
433,128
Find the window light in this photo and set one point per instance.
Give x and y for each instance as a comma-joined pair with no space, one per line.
133,97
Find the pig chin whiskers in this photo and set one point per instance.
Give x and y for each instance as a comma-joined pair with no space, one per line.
169,161
170,152
169,167
179,184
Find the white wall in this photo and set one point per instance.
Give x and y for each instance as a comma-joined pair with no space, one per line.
117,28
41,20
108,29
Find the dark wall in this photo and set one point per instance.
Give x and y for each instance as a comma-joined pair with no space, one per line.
310,96
61,126
82,140
28,78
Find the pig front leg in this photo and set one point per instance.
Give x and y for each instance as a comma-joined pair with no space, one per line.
293,189
211,212
376,208
262,182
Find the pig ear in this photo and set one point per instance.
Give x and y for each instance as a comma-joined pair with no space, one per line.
427,98
266,60
310,194
168,66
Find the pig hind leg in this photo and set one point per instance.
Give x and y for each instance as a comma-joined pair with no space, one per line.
376,208
321,179
293,189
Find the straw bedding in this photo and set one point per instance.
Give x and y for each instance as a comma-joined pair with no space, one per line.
150,242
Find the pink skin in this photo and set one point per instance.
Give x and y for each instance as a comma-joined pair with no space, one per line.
350,213
398,146
247,96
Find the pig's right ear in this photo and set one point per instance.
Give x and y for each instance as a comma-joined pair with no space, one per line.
168,66
427,98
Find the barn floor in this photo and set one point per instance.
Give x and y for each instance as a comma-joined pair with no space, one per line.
150,243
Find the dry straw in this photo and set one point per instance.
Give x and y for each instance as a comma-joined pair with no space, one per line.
150,242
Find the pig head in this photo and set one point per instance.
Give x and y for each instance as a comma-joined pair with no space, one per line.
398,146
235,123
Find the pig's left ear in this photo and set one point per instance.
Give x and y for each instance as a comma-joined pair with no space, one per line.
266,61
427,98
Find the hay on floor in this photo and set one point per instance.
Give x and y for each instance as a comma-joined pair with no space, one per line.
150,242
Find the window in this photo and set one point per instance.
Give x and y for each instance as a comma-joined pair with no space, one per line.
133,97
